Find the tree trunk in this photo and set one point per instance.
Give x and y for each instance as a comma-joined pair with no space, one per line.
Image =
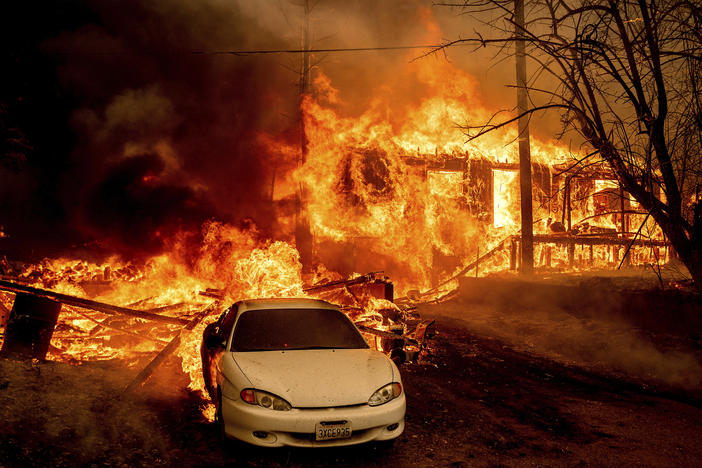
695,267
687,248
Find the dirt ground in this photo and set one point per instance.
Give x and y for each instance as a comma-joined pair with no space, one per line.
493,395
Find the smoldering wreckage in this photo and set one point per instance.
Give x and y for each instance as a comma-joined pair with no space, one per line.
31,323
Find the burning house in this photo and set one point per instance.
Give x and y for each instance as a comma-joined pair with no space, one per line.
403,194
583,219
387,187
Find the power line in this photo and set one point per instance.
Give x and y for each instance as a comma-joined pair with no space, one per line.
301,51
250,52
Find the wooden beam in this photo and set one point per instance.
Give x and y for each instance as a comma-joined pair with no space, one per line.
594,240
102,324
367,278
166,308
463,271
146,372
87,303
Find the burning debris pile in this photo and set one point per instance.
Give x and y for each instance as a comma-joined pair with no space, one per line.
418,202
390,184
41,323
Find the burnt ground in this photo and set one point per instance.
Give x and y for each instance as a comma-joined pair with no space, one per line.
482,403
518,377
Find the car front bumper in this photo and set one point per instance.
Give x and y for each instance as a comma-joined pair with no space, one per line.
297,427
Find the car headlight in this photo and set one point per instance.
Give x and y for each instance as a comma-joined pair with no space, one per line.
385,394
264,399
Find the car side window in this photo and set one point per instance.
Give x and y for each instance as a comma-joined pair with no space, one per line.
226,324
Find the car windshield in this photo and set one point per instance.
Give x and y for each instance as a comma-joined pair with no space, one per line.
280,329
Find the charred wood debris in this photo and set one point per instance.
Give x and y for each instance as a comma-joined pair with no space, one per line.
27,329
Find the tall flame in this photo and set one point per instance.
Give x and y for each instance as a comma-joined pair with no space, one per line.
392,189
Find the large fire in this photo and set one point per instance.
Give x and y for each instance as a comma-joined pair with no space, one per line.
380,193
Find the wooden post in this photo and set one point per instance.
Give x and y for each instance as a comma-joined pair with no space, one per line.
527,241
542,255
623,226
513,255
622,206
567,202
571,254
518,257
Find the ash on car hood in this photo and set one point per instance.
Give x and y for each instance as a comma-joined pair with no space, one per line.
317,378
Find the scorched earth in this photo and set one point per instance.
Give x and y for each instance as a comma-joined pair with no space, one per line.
487,398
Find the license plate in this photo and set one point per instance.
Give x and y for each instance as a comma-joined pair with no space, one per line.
333,430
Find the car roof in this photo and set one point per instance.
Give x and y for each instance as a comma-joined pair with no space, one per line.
284,303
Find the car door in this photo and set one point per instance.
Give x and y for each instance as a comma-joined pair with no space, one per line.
213,346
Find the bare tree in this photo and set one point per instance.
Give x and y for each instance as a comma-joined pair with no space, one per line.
626,76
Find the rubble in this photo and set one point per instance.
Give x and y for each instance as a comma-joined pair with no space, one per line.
367,299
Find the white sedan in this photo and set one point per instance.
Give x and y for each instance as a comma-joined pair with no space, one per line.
298,372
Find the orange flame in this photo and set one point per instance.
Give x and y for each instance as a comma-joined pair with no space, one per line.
389,189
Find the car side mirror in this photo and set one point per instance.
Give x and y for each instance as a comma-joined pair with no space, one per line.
214,341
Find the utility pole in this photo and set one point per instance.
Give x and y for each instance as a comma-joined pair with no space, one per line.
304,78
303,235
527,243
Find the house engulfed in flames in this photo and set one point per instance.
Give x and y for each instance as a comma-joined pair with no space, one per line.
582,217
397,190
405,191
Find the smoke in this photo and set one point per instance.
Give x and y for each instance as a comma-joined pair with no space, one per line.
596,323
134,135
156,139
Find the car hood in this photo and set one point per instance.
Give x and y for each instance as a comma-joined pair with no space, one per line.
317,378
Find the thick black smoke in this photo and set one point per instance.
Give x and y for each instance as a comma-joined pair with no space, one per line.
129,135
114,129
